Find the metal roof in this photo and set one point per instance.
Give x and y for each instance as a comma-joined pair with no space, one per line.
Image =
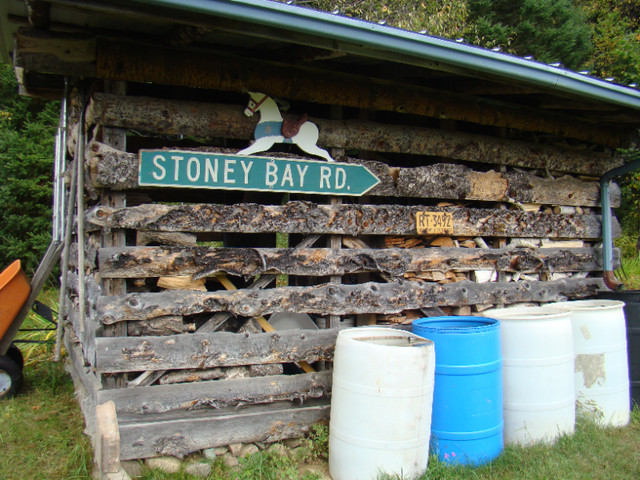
272,30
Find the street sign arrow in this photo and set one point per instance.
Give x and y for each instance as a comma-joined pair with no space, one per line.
184,169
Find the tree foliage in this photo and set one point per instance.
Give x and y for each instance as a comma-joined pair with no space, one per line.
549,30
27,133
445,18
616,39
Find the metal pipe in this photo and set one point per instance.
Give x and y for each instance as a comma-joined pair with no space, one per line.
607,236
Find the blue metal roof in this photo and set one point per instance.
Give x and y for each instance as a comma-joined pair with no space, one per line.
380,41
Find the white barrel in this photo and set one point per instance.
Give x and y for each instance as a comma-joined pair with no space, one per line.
537,373
601,364
381,404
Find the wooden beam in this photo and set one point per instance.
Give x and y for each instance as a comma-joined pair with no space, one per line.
219,393
210,350
179,434
118,170
348,219
142,262
125,61
61,54
330,299
227,121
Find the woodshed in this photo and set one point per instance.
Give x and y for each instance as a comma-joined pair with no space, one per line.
456,179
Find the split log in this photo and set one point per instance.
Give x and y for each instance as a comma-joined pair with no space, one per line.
166,325
227,121
141,262
110,168
348,219
332,299
180,433
219,394
210,350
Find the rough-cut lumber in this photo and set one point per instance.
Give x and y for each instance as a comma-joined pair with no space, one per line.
311,218
228,121
210,350
141,262
181,433
331,299
63,54
168,325
118,170
129,62
219,393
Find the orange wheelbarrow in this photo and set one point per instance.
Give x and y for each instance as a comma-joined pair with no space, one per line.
14,292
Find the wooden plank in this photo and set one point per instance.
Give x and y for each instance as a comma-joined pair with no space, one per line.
130,62
349,219
332,299
142,262
210,350
59,53
219,393
179,435
111,168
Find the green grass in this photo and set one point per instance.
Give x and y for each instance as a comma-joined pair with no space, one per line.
41,429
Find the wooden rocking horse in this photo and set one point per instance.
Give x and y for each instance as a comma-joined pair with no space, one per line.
272,129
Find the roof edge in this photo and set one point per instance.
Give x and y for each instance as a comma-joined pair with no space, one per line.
380,39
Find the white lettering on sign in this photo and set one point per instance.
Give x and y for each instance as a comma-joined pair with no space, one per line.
246,169
211,171
302,172
229,170
156,161
177,159
270,177
287,177
193,169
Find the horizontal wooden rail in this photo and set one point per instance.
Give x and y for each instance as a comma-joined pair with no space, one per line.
346,219
337,299
142,262
210,350
219,393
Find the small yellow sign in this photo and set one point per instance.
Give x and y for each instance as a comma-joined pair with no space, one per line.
434,223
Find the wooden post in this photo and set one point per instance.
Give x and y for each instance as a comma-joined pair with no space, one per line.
335,241
116,138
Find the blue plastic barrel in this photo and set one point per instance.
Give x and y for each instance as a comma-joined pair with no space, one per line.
467,421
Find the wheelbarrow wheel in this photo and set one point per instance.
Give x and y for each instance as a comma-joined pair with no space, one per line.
15,354
10,377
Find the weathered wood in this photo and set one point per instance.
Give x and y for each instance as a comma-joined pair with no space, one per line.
219,393
210,350
179,434
332,299
118,170
227,121
125,61
60,53
355,220
168,325
116,138
141,262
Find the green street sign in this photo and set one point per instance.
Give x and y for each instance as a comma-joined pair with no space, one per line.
175,168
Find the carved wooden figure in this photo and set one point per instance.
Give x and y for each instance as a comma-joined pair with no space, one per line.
272,129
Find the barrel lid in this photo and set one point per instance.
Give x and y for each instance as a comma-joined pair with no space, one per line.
455,324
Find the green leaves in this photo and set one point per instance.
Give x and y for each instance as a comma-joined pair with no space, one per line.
27,134
550,30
